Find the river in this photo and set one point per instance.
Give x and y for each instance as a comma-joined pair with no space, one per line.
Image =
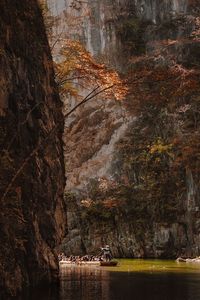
131,280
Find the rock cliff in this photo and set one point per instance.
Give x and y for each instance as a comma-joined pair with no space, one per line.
133,167
31,163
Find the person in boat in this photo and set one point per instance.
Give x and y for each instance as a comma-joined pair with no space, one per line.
106,253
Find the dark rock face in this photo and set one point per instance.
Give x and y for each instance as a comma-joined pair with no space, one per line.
31,217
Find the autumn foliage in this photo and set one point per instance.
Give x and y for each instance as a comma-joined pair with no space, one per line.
78,70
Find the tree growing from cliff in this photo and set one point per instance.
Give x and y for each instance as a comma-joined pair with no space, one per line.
165,96
78,70
44,142
75,68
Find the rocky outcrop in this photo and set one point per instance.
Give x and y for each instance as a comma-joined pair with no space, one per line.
32,216
132,167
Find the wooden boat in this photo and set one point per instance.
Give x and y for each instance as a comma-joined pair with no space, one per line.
64,263
79,263
89,263
108,263
188,260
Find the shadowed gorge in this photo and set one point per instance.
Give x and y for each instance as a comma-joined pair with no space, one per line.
99,144
31,198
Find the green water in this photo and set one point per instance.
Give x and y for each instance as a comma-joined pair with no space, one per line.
154,265
130,280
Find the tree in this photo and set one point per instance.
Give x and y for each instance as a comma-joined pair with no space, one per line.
78,69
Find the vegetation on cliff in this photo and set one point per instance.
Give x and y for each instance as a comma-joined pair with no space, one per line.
154,178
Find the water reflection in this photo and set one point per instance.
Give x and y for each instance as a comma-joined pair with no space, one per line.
95,283
84,283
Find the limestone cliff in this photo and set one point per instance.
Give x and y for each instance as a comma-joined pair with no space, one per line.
31,182
133,167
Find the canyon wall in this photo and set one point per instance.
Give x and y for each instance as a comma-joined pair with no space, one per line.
133,166
32,220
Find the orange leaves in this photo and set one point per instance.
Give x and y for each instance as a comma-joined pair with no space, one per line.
162,86
106,203
78,69
87,202
111,203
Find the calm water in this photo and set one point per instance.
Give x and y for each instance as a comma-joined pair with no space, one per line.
131,280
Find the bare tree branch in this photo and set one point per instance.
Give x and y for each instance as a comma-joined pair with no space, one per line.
90,96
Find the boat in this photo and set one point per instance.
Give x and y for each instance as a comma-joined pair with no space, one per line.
189,260
64,263
79,263
108,263
89,263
